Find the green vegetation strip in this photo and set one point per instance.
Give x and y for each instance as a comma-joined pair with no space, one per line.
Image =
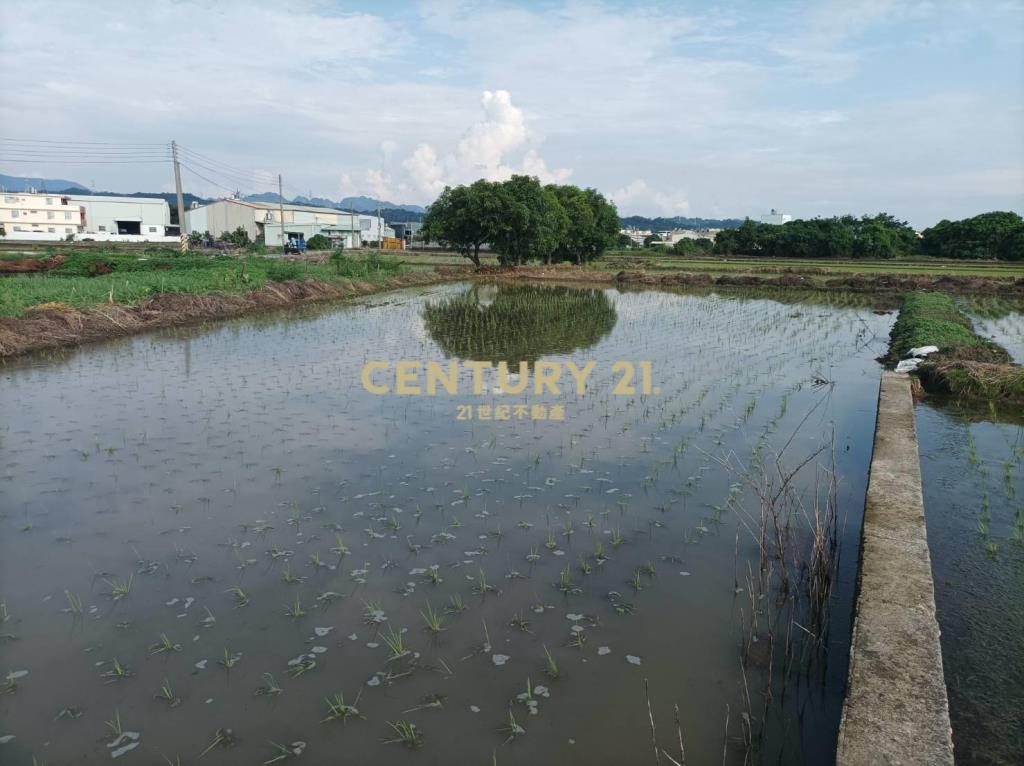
967,366
932,319
90,279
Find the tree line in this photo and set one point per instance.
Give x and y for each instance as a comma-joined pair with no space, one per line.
522,220
986,236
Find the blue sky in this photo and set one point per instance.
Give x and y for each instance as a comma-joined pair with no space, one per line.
727,109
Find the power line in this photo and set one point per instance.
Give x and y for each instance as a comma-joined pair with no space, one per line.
202,158
195,172
246,180
73,143
65,161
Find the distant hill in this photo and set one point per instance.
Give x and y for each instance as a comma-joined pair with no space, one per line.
679,222
358,204
21,183
369,205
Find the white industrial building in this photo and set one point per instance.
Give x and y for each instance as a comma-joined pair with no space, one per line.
41,216
262,221
776,218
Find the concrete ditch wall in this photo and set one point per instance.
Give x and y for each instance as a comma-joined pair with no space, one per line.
896,710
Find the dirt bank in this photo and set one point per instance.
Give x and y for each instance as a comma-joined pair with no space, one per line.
873,283
55,325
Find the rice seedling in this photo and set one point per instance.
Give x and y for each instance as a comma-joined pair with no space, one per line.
617,539
114,724
636,582
167,694
221,738
585,565
395,641
117,672
241,597
434,621
372,613
482,587
295,609
303,666
119,588
426,702
229,660
74,603
455,605
284,752
339,710
270,687
551,667
511,727
520,623
164,645
406,733
565,583
288,577
433,575
339,548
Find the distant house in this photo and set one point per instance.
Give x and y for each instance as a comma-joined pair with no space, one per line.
41,216
777,218
262,221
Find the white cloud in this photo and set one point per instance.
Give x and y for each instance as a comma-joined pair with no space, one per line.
495,148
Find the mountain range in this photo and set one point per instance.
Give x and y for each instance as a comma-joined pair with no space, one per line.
359,204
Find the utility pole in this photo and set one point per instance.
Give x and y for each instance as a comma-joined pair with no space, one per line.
280,202
182,233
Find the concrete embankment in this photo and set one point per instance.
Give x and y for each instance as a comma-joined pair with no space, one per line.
896,710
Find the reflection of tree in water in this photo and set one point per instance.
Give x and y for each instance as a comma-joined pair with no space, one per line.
519,324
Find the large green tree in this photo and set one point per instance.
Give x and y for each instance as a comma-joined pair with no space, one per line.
532,223
465,217
593,224
989,235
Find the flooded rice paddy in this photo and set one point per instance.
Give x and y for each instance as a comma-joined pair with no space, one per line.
216,543
972,470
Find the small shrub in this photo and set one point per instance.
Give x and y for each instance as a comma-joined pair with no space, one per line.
282,271
318,242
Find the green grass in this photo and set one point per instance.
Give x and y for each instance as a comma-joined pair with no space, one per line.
135,278
931,319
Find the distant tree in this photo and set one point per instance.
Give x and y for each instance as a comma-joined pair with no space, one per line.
651,239
625,240
989,235
880,236
195,239
693,247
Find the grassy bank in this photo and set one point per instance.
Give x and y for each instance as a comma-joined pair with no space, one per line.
967,366
818,269
93,278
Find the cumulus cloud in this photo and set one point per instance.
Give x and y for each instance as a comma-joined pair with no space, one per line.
496,147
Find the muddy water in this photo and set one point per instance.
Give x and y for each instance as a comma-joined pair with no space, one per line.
974,504
149,477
